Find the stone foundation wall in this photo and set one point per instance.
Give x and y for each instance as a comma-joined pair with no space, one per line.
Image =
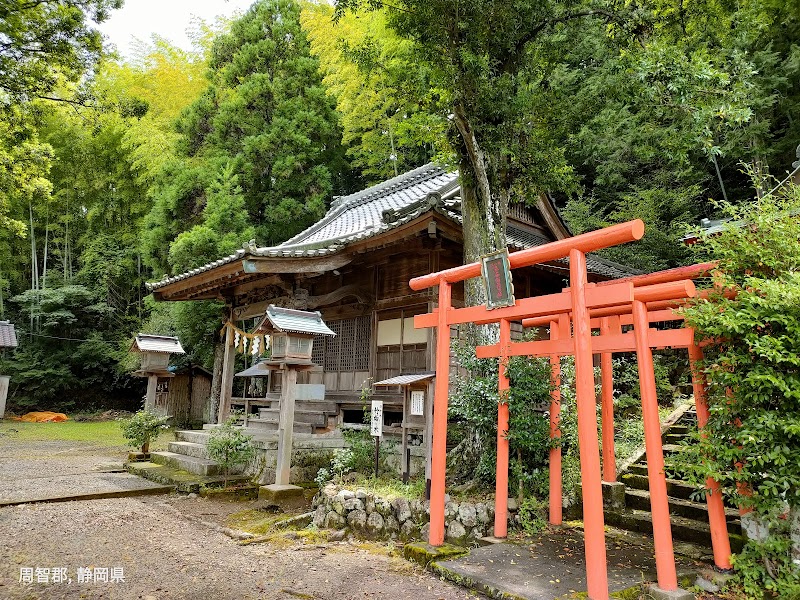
371,516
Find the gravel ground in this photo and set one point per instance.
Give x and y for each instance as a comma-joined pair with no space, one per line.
165,556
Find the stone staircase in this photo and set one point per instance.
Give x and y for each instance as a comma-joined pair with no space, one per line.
185,464
309,416
688,512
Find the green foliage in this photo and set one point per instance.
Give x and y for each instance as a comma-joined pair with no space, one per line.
267,116
390,116
752,361
358,457
45,43
143,428
341,464
229,446
767,565
532,516
474,401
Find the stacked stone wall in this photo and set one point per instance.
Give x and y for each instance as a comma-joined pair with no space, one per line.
367,515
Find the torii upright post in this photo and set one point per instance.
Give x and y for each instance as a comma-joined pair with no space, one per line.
720,542
501,480
556,502
439,457
594,534
659,503
607,402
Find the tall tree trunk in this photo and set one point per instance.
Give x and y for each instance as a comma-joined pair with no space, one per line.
216,380
484,207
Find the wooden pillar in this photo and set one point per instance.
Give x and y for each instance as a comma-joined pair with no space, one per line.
720,542
286,427
593,523
439,453
428,438
405,467
226,391
607,405
659,503
150,398
501,473
556,492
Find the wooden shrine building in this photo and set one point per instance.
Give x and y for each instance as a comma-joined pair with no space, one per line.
354,266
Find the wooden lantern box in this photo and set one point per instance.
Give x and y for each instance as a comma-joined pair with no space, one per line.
292,332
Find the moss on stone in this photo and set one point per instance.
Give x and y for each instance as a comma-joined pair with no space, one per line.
425,554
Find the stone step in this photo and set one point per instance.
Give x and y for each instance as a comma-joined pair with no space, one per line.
317,405
272,425
674,438
672,449
678,429
183,481
191,464
684,529
676,489
188,449
640,500
193,437
300,416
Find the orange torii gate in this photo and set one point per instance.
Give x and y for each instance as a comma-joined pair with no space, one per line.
579,303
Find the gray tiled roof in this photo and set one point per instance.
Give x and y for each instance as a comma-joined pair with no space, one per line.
406,379
296,321
8,337
157,343
376,210
519,239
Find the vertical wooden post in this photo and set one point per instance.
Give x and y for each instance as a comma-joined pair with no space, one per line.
659,503
150,398
556,493
439,453
405,467
501,474
594,534
607,407
428,438
226,391
720,542
286,427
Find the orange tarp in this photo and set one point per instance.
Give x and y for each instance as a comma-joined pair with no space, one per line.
42,417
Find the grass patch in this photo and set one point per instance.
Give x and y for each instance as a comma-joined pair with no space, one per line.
389,488
257,522
103,433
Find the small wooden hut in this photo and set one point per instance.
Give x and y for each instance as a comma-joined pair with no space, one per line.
8,339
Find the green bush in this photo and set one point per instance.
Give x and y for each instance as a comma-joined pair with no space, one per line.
228,446
143,428
473,404
752,363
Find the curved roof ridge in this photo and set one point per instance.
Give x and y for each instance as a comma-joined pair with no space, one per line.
385,188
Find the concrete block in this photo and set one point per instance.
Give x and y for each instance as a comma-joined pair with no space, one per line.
277,493
656,593
614,495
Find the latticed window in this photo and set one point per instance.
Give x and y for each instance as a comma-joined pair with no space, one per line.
348,350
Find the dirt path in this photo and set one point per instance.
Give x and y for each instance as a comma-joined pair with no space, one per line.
164,556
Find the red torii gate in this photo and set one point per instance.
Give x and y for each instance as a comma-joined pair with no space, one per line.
611,302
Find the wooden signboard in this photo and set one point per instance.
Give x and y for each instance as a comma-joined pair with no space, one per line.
376,420
496,275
